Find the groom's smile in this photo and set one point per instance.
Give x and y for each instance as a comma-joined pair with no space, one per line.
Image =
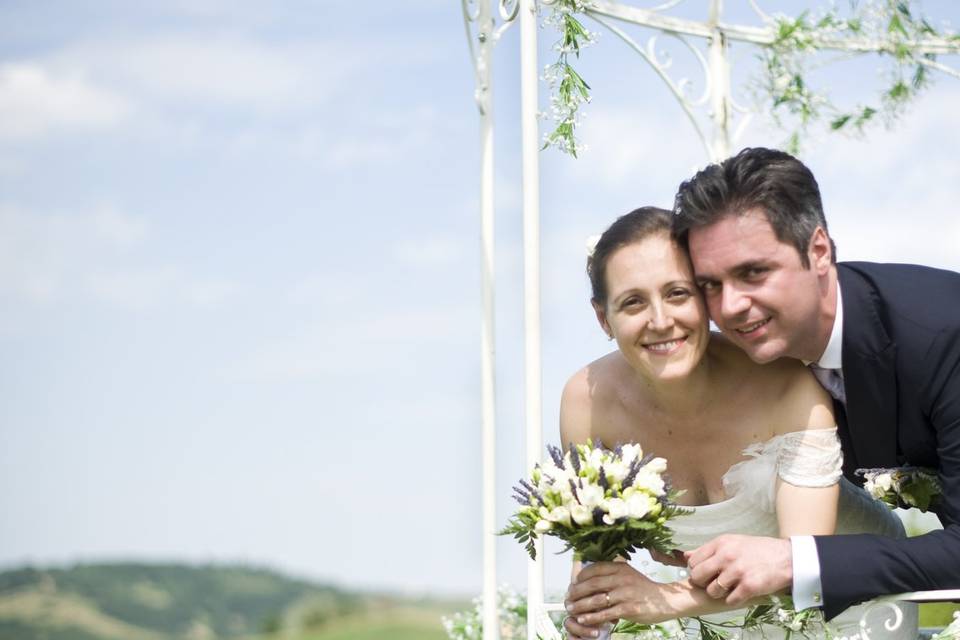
752,329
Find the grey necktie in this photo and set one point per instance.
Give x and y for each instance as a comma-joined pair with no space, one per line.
831,380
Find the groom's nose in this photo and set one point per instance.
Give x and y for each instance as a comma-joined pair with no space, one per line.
733,302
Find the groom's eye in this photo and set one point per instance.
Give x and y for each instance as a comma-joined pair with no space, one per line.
708,286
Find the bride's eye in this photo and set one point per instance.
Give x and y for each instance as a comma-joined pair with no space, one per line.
678,294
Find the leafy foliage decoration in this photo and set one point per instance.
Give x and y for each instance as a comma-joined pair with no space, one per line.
892,29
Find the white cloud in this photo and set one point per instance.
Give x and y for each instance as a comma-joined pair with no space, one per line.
346,343
892,196
35,100
637,145
118,228
45,258
431,251
148,288
225,69
388,136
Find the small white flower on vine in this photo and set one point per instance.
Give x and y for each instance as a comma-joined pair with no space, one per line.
591,245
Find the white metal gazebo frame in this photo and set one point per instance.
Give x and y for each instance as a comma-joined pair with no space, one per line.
712,114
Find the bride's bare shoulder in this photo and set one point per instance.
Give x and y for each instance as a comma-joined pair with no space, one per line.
594,382
586,394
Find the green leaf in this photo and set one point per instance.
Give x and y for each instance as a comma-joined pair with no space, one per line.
840,122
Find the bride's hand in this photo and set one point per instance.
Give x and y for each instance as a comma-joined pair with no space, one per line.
608,591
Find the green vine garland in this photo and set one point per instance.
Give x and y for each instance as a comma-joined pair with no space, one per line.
781,88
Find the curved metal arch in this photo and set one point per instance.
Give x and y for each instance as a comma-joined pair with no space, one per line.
676,90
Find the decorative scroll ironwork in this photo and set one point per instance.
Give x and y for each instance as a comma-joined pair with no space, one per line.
890,624
482,33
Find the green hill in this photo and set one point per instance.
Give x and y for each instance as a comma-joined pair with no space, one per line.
170,601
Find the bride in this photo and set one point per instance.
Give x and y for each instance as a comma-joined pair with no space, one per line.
753,447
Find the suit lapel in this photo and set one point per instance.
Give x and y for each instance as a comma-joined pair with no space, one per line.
869,372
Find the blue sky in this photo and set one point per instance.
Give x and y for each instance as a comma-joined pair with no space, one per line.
239,281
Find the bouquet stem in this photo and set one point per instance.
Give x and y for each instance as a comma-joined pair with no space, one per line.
606,629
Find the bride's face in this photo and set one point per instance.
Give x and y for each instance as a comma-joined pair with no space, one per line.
654,310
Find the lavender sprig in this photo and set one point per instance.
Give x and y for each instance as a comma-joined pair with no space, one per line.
557,456
575,458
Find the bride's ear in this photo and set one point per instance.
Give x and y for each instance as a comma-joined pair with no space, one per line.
601,312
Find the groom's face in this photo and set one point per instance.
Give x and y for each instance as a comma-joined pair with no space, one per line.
757,290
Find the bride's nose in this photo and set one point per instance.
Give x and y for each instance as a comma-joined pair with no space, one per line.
660,320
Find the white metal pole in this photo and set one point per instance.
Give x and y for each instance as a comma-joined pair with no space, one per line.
491,621
719,69
529,87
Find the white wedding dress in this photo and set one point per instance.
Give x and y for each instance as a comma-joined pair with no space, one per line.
807,458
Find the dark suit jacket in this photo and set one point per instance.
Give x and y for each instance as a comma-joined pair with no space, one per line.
901,368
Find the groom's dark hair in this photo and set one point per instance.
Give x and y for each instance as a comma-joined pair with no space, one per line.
773,181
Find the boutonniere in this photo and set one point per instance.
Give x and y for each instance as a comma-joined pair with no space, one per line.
903,487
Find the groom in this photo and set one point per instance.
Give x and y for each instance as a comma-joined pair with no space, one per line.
883,339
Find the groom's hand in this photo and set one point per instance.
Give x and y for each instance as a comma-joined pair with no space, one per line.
737,568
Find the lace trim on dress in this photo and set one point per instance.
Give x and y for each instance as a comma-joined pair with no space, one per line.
802,458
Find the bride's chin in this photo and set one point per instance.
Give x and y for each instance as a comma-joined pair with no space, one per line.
674,372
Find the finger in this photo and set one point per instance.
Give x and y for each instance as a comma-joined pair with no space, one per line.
576,630
739,596
745,591
600,569
721,587
595,602
598,618
589,587
704,573
695,556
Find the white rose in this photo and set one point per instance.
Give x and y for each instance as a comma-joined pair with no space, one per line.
543,526
581,515
560,515
595,458
657,465
871,488
649,481
615,471
638,505
631,452
552,470
566,496
591,495
884,482
615,508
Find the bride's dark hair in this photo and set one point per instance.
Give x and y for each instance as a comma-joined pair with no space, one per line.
627,229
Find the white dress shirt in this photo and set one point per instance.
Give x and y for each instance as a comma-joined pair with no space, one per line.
806,564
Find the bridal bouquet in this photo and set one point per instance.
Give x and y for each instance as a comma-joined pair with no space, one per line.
603,504
903,487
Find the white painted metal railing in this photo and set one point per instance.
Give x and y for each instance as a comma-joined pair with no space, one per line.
712,114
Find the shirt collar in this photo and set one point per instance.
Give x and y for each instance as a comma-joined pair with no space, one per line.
832,355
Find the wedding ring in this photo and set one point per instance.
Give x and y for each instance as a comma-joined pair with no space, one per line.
607,595
720,584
